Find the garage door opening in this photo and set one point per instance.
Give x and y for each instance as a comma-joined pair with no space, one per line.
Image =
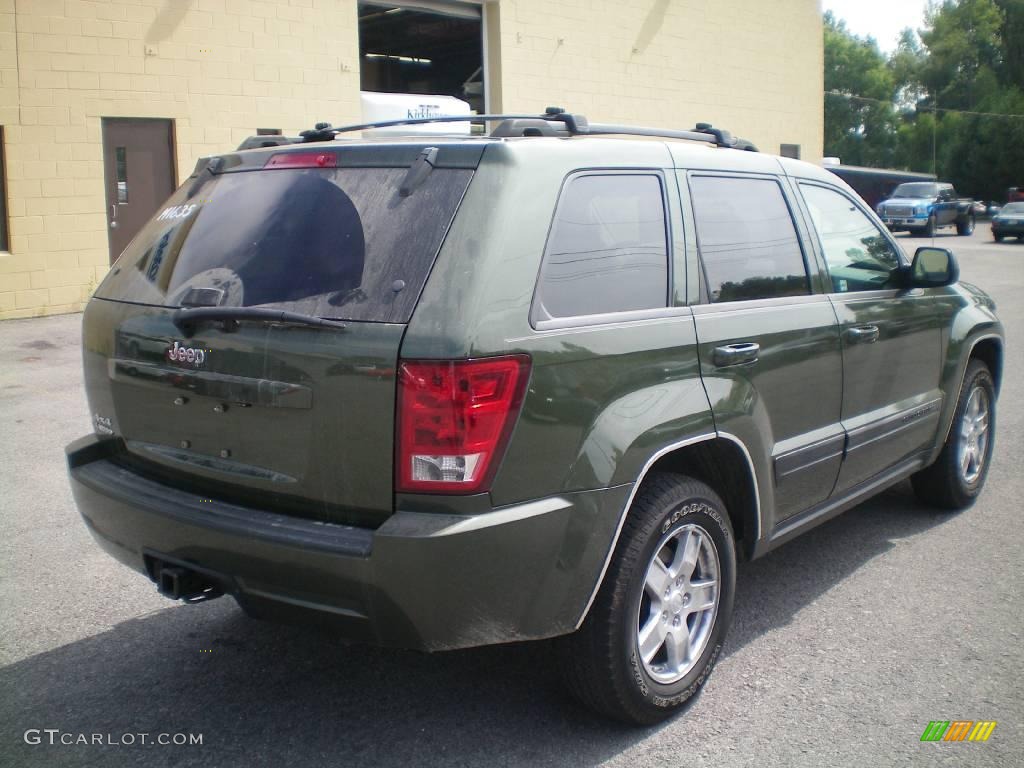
423,47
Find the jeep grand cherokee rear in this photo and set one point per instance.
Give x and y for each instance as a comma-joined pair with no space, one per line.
259,433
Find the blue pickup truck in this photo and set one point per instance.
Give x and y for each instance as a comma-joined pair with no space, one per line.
921,207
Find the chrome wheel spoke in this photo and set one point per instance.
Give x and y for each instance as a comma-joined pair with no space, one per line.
652,636
677,648
702,595
687,552
658,579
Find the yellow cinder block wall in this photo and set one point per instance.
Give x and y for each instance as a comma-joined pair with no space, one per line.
221,68
754,67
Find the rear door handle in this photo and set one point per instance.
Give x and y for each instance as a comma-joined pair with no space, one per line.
864,334
735,354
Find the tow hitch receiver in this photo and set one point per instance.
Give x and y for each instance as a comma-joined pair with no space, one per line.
180,583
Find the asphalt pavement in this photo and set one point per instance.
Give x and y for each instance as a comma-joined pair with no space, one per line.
846,642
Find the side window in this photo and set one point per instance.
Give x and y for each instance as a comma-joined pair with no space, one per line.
748,241
858,255
608,248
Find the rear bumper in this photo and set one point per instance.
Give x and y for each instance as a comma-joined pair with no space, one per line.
422,580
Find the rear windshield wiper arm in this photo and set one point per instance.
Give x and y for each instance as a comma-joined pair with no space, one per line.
188,319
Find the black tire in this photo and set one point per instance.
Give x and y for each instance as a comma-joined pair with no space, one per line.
944,484
601,662
997,238
966,226
929,229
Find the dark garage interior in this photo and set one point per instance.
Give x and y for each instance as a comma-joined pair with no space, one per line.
433,48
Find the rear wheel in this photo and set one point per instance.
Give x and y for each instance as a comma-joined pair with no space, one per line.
956,478
966,225
657,626
997,238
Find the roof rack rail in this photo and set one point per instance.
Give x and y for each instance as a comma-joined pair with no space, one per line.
554,122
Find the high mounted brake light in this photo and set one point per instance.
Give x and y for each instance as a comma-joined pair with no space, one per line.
454,421
302,160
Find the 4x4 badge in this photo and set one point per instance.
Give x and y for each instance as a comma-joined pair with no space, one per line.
182,354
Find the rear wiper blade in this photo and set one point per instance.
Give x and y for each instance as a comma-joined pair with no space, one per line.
188,319
421,167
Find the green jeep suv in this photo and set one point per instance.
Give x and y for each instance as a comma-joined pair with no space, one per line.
553,382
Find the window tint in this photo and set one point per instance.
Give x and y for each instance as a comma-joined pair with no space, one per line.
608,249
859,256
747,239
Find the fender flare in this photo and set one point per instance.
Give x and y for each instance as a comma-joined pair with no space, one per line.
651,461
961,372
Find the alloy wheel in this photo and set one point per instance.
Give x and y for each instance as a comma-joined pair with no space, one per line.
679,603
974,435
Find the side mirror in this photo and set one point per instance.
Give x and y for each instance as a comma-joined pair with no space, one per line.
933,268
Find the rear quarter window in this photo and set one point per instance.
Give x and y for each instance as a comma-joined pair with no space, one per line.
608,248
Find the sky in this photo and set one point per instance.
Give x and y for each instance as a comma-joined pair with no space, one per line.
882,19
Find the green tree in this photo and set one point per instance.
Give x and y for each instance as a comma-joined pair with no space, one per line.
1013,41
974,63
861,130
965,51
951,101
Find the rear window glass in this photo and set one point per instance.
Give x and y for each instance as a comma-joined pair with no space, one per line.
335,243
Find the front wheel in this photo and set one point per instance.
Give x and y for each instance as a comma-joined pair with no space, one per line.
657,626
929,228
966,226
997,238
956,478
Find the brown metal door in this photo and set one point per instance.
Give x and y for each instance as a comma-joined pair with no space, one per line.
138,166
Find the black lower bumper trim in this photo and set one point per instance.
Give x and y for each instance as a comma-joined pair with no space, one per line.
121,484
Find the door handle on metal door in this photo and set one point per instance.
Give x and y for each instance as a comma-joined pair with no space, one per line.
864,334
113,216
735,354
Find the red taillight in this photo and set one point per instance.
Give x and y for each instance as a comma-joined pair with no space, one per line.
302,160
454,419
